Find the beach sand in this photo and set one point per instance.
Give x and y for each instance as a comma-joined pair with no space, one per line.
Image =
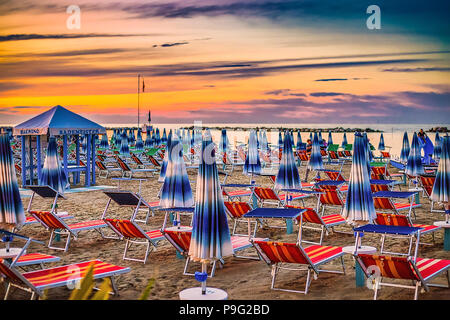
242,279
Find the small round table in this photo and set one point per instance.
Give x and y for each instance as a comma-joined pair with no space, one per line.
11,254
196,294
359,273
446,226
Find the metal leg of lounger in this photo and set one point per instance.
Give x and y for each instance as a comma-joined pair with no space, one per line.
50,242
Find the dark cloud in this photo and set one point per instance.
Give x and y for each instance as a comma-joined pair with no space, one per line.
332,79
326,94
9,86
164,45
418,69
33,36
284,92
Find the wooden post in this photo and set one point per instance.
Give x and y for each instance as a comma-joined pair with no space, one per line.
24,162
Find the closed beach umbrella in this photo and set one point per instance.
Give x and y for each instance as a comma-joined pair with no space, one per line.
210,240
139,143
124,148
223,145
299,140
414,166
162,173
164,137
368,150
252,163
359,208
441,187
176,190
157,137
104,143
381,144
311,136
11,209
315,160
344,140
320,138
148,140
437,146
287,177
330,138
83,142
404,154
52,173
130,137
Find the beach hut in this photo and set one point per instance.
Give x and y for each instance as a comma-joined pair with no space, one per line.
62,123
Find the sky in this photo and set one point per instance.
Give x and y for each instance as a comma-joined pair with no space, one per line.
227,61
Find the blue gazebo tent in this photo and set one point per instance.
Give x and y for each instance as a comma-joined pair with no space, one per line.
58,121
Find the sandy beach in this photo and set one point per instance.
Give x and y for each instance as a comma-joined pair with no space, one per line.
242,279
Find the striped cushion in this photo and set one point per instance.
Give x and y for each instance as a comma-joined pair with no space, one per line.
60,276
241,243
48,219
62,215
182,238
333,219
431,267
401,206
35,258
238,193
291,253
86,225
426,228
155,234
237,209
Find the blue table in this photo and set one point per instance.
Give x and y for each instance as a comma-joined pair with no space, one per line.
288,214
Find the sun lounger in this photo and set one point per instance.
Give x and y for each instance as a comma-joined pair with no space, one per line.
383,201
57,226
279,254
133,234
36,282
180,238
427,182
418,270
128,171
235,210
269,196
236,193
102,168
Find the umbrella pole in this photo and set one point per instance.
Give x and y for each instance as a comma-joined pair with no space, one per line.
204,270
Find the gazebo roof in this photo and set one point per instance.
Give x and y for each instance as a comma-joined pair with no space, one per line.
58,121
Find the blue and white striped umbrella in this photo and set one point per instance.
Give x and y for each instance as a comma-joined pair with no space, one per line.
124,148
359,207
104,143
252,163
223,145
280,141
344,140
315,160
441,187
287,177
437,146
210,238
139,143
83,143
369,152
12,214
130,137
381,144
162,173
176,190
404,154
148,140
320,138
299,140
311,136
157,137
330,138
164,137
52,173
414,166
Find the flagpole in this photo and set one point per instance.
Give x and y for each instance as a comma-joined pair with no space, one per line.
139,78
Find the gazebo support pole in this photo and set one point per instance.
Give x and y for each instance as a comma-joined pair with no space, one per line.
88,161
30,150
24,162
38,157
66,171
93,161
77,155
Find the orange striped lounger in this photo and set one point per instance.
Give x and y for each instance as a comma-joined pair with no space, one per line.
180,238
420,271
279,254
36,282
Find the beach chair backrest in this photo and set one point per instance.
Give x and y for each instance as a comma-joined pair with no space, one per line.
237,208
329,196
323,152
50,220
153,161
126,228
303,156
389,267
310,215
181,239
281,252
427,183
333,155
100,165
13,276
390,219
379,187
386,154
124,198
81,163
334,175
382,203
378,173
266,194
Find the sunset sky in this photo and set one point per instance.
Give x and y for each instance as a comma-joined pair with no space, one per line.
227,61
